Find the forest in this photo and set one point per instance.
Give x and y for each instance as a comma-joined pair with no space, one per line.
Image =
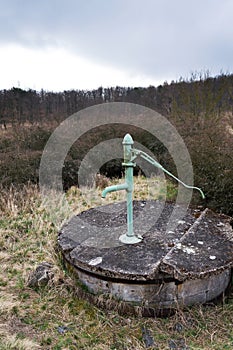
200,95
201,109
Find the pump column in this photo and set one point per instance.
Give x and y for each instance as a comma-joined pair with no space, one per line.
129,237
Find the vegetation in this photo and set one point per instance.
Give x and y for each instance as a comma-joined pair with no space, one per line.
56,316
200,108
201,95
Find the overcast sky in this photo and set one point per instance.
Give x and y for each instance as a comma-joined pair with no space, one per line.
83,44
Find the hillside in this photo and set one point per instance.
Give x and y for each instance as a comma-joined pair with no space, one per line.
200,109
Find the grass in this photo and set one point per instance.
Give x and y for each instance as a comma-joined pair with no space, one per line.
55,317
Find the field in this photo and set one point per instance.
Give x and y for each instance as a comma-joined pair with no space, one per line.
57,316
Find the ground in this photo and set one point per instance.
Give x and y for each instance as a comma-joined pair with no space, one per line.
57,317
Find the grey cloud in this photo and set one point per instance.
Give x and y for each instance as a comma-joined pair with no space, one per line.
152,37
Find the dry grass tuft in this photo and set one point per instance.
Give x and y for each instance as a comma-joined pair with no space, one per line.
101,181
12,342
7,303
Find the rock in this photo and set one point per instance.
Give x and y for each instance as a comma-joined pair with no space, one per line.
147,337
41,275
62,329
178,344
178,327
174,266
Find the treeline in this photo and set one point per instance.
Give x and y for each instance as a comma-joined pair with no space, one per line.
199,95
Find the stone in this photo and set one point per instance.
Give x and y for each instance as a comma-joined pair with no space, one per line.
41,275
147,337
173,265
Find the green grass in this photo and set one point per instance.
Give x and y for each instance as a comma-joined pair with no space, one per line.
29,319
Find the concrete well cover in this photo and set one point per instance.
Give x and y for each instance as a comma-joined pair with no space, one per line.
199,249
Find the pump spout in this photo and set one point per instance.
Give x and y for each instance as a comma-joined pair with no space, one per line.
114,188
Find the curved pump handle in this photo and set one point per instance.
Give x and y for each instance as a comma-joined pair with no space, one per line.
136,153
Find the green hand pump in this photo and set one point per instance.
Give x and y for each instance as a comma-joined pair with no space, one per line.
130,154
